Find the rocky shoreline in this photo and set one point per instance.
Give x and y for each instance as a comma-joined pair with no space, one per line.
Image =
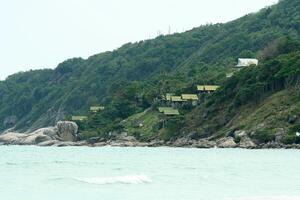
66,134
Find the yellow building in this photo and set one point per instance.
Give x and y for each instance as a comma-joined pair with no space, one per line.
190,97
207,88
177,99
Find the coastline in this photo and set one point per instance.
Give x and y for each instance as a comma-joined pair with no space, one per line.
65,134
153,144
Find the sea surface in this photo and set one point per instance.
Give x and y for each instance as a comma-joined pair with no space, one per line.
111,173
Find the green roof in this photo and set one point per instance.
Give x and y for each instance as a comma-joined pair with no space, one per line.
79,118
168,110
168,96
211,87
200,87
171,112
162,109
96,108
177,99
189,97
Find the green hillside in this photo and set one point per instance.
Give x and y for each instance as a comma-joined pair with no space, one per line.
261,100
126,81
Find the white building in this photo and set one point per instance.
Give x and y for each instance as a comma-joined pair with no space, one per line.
245,62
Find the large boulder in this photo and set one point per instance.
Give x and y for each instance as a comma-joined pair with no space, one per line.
64,131
227,142
33,138
67,131
40,135
247,143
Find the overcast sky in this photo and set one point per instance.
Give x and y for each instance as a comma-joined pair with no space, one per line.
38,34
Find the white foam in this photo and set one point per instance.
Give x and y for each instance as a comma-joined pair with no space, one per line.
268,198
131,179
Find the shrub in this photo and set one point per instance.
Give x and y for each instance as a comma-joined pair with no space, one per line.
172,127
88,134
294,129
263,136
291,139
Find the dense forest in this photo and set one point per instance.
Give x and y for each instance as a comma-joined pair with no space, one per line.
126,82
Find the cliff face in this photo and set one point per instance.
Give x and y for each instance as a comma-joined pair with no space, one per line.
127,80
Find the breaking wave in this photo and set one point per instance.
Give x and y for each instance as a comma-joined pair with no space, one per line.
131,179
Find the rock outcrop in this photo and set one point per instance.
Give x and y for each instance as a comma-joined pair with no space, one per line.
247,143
204,143
65,134
67,131
123,137
226,143
181,142
64,131
12,138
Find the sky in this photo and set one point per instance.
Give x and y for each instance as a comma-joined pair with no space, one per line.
36,34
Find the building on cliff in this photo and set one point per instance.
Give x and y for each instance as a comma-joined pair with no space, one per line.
246,62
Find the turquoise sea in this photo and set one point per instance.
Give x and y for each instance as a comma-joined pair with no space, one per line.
77,173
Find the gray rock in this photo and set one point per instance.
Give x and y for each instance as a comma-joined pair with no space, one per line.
30,139
226,143
142,144
204,143
181,142
42,138
94,140
66,144
67,131
247,143
271,145
40,135
99,144
280,132
124,137
48,143
82,143
155,143
115,144
123,144
50,131
12,138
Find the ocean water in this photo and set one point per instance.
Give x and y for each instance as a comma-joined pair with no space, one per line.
77,173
